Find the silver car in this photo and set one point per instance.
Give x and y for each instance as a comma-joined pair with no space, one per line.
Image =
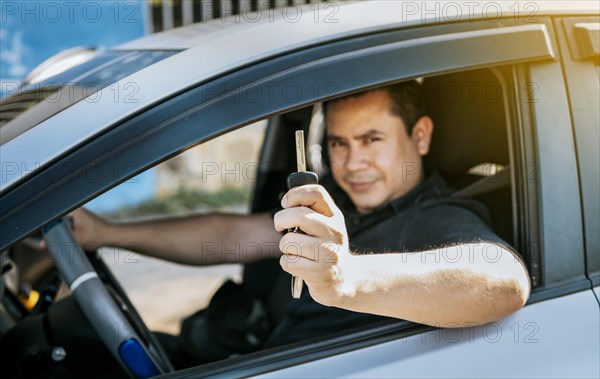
514,90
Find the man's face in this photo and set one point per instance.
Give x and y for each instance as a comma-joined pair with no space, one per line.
373,158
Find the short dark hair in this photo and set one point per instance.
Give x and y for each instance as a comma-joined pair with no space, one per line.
406,100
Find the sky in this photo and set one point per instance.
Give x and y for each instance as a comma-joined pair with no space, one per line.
32,31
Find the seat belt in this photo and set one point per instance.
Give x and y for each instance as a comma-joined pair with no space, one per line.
486,184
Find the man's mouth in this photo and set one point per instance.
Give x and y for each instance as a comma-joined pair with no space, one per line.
361,186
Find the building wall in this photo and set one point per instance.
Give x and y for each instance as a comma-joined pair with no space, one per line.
166,14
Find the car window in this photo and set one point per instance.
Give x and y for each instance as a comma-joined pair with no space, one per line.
218,175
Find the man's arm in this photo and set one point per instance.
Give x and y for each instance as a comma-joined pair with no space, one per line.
195,240
481,284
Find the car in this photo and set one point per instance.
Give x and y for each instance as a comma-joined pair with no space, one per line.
513,89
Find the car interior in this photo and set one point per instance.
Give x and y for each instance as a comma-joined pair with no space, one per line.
470,149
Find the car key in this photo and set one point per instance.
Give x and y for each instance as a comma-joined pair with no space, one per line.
296,179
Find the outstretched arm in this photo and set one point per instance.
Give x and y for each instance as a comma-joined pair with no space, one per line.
195,240
422,286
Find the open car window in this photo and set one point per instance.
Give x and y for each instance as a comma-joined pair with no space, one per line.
244,171
217,176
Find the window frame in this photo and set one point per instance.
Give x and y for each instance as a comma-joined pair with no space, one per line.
164,130
551,219
581,78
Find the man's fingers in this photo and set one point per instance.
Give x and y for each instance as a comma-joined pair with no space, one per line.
300,267
309,221
313,196
295,245
70,219
290,218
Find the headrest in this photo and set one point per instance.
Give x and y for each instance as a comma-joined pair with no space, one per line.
469,122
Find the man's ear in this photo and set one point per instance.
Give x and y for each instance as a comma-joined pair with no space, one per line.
421,134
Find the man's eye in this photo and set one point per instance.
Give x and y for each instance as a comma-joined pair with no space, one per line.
333,144
372,139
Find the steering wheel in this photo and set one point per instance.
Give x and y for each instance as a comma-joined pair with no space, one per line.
106,305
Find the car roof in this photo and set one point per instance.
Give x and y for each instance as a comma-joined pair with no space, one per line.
197,34
220,46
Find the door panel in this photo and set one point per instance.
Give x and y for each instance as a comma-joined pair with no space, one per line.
554,338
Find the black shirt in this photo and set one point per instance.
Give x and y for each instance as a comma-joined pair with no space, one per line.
425,218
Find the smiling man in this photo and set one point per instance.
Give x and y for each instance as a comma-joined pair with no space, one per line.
380,240
375,159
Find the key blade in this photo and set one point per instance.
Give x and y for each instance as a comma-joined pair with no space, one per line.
300,157
298,283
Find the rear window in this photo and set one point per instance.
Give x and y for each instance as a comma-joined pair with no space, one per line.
36,102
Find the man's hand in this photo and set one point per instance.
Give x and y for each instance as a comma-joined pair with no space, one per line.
418,286
89,230
321,257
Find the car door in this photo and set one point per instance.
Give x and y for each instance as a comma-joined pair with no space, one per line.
538,110
551,235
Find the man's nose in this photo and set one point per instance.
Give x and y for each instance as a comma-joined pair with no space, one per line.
357,160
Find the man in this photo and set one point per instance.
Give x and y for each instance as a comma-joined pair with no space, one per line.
400,248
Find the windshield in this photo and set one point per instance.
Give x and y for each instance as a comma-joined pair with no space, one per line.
36,102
